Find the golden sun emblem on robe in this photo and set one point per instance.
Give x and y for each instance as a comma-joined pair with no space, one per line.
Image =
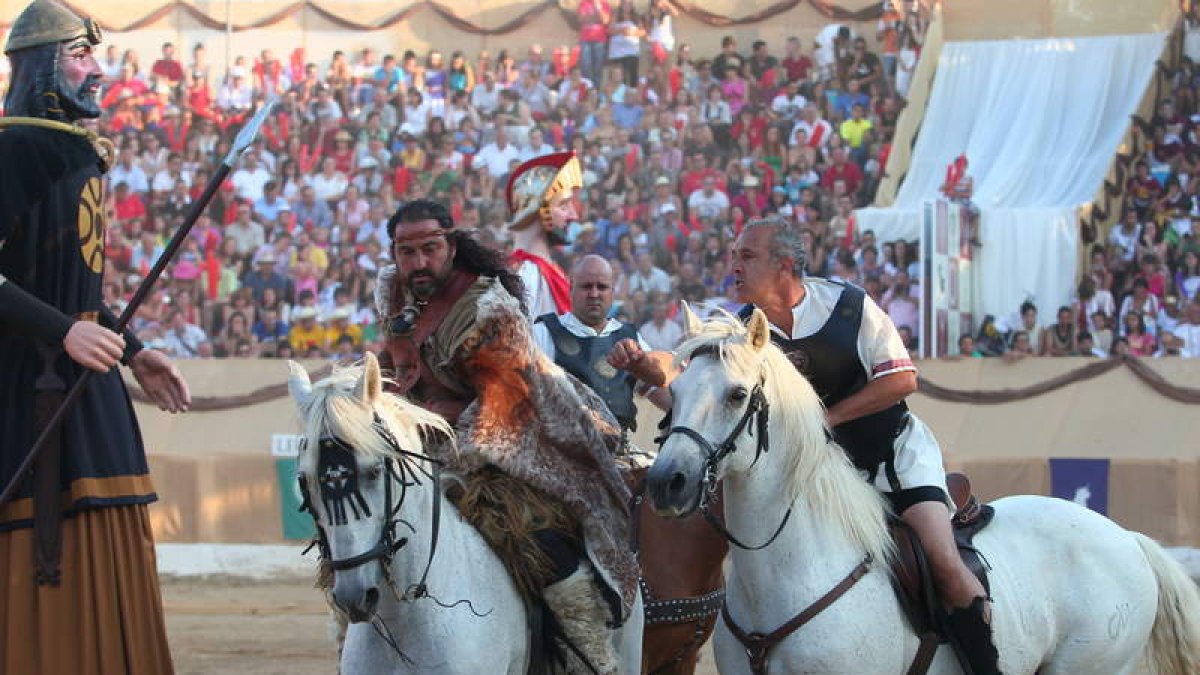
91,225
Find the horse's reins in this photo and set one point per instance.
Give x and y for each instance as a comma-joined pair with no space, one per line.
757,407
757,645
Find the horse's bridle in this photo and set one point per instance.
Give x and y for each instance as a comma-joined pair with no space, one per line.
757,645
405,469
757,408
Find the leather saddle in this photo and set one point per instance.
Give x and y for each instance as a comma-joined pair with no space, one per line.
912,577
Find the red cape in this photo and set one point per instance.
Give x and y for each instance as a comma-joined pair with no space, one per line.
556,279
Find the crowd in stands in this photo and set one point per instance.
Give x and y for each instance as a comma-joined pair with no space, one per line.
1140,290
679,150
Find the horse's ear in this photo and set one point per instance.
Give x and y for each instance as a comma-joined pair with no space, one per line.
691,322
759,330
371,384
299,384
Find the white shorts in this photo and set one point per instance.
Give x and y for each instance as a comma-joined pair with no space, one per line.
918,461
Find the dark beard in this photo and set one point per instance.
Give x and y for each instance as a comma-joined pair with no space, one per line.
80,104
556,236
424,284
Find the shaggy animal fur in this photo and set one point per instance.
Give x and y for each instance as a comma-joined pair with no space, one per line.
580,612
507,512
547,430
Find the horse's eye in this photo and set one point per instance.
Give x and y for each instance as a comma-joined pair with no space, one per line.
373,473
738,394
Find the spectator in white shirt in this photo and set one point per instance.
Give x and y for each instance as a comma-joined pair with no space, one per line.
1125,237
237,94
788,104
486,96
660,332
574,89
183,340
816,130
325,111
247,234
1185,338
330,184
708,201
537,146
164,180
647,278
271,204
497,156
375,228
250,179
128,172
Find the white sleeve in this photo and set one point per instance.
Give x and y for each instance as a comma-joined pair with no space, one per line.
538,299
541,336
880,347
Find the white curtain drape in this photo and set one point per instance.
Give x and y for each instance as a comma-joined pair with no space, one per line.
1039,121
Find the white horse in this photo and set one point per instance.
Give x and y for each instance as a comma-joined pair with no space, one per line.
424,593
1074,592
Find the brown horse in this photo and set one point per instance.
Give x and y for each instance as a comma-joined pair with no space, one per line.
682,583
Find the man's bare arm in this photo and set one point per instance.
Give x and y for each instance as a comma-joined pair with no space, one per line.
654,368
879,394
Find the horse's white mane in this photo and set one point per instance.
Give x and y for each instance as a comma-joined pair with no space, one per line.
336,408
820,471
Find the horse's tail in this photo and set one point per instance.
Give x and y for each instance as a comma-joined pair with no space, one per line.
1174,647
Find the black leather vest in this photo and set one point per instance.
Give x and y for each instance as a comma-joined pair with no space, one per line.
829,360
584,357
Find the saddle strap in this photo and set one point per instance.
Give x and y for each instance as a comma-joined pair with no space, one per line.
758,646
681,610
925,652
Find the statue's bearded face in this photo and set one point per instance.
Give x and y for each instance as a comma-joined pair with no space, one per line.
79,79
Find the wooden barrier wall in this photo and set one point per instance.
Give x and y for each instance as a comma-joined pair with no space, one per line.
218,482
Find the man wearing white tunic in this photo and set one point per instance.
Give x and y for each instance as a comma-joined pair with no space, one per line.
851,353
541,199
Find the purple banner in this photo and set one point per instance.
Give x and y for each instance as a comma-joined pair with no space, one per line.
1083,481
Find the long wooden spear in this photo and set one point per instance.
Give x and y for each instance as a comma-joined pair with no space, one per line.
243,141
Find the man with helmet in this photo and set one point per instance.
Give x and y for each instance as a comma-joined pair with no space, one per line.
81,588
541,201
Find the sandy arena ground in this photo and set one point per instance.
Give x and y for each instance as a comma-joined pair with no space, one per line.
225,625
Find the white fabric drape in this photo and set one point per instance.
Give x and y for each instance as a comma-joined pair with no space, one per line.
1039,121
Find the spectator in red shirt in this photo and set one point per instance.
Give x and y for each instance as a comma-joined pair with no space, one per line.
127,205
594,17
127,87
1143,189
847,172
796,62
693,178
168,67
752,201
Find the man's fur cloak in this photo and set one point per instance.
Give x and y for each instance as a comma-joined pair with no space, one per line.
539,424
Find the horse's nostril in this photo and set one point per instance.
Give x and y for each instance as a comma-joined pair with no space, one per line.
678,483
372,597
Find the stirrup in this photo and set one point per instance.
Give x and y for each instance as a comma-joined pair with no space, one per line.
971,638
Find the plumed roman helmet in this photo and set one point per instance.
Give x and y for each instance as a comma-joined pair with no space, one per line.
47,22
534,184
